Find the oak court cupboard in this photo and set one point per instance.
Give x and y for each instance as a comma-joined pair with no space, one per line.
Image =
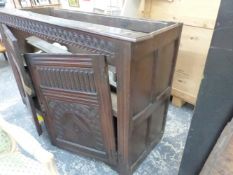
102,83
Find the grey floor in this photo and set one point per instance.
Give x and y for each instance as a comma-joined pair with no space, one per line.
163,160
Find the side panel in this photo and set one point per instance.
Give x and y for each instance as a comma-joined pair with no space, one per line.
151,78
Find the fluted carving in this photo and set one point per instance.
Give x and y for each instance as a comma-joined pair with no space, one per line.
74,79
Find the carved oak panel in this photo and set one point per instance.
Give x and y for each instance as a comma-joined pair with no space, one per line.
75,96
76,122
74,79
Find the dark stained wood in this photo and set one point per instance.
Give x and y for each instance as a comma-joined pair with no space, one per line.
143,55
139,25
44,45
10,43
22,78
47,47
76,111
32,109
114,21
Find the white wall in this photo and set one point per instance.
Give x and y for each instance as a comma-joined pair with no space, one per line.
130,8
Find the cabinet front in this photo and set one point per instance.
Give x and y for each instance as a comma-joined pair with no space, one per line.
75,99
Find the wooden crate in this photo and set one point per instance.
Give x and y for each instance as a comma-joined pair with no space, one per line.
194,46
199,17
198,13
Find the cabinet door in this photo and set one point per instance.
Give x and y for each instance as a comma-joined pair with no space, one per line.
21,76
75,93
10,43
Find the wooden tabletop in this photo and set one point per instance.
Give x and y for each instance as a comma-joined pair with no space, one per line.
8,17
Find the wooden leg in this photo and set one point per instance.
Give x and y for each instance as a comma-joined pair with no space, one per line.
178,102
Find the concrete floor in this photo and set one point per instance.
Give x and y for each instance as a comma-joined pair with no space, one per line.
164,159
